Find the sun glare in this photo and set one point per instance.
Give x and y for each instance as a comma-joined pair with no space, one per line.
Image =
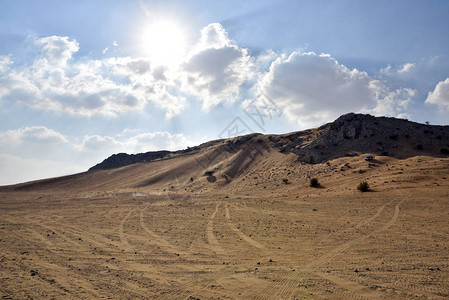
164,43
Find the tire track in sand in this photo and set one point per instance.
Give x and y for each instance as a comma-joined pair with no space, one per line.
160,241
240,233
123,240
211,239
285,287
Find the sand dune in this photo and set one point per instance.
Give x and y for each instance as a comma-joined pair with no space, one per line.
237,219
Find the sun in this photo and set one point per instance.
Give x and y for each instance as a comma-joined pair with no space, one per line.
164,42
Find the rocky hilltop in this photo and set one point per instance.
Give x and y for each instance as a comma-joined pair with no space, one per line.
123,159
358,133
349,135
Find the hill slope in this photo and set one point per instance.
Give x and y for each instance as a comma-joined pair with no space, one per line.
349,133
229,161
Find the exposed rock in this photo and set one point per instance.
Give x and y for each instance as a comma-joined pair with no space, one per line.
349,135
123,159
352,133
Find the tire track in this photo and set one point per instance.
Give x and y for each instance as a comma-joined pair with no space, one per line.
201,286
58,271
127,247
123,240
239,232
358,291
211,239
88,236
158,240
286,285
430,292
49,242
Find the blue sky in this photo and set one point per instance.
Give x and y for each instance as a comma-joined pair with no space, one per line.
81,80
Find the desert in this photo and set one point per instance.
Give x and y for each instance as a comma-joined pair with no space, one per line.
237,219
221,150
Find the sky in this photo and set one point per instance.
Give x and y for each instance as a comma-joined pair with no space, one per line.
82,80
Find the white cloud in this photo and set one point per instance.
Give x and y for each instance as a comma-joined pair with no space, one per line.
403,69
89,87
5,62
100,143
213,72
216,68
394,103
143,142
44,87
159,73
158,141
213,36
127,66
313,89
57,49
316,88
388,70
37,142
406,68
440,95
172,105
34,134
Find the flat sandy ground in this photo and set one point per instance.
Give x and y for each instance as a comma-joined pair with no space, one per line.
306,243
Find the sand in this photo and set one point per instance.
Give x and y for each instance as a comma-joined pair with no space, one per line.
255,238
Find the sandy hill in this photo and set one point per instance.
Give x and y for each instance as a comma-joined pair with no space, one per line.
238,219
232,163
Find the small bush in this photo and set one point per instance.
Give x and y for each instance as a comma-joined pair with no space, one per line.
394,137
363,186
285,180
314,182
211,178
444,151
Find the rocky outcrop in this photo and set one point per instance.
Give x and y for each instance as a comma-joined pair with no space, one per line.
123,159
365,134
348,135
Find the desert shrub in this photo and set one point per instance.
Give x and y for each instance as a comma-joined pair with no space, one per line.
444,151
211,178
363,186
285,180
394,137
314,182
